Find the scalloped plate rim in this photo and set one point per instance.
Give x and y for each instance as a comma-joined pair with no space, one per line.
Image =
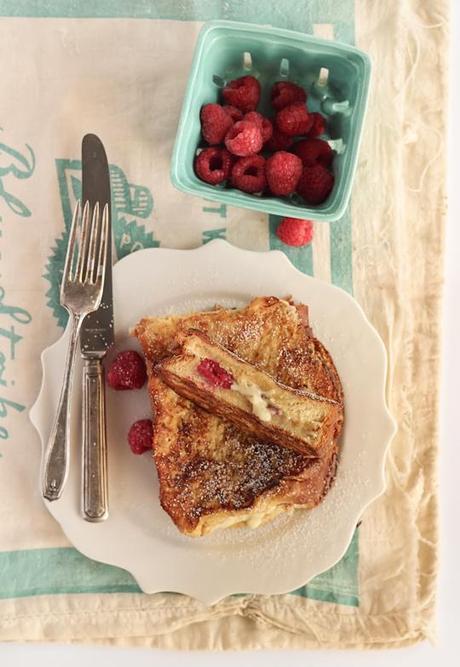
195,589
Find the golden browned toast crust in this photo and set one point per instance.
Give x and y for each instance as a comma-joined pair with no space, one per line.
251,399
209,470
211,473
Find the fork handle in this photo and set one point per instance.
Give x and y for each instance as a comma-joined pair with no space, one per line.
94,460
56,462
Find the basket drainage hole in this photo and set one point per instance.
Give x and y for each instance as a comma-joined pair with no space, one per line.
218,80
247,61
323,77
284,67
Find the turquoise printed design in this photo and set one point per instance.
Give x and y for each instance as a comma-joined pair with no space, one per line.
21,166
62,570
341,252
281,13
210,234
129,202
340,583
216,208
58,570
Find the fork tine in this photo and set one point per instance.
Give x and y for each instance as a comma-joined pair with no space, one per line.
67,272
89,277
100,269
83,244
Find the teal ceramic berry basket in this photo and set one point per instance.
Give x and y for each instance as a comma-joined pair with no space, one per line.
335,76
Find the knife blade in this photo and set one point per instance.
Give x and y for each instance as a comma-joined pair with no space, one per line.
96,337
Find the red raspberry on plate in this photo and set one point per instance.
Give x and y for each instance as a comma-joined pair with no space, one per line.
234,113
248,174
295,232
215,374
315,184
127,371
243,93
312,151
294,119
244,139
215,123
283,171
285,93
140,436
263,123
279,141
318,126
213,165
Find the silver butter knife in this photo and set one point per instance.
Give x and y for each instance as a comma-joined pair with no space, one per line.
96,337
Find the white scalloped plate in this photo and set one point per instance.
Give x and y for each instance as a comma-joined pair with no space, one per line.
139,536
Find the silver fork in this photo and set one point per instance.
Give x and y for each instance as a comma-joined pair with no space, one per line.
81,292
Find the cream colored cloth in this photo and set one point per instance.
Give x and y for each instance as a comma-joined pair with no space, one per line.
65,76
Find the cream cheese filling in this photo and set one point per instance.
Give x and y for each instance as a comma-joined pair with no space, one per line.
254,394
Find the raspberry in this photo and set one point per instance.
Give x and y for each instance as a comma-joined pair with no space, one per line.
319,125
234,113
215,374
248,174
315,184
278,141
127,371
213,165
140,436
243,93
244,139
312,151
262,123
283,171
215,123
295,232
294,119
285,93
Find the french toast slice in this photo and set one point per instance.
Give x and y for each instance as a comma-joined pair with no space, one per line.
213,475
225,385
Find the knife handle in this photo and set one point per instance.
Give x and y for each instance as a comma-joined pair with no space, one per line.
94,459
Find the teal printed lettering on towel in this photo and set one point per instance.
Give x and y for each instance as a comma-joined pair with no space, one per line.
15,165
13,339
221,210
4,405
21,317
2,369
210,234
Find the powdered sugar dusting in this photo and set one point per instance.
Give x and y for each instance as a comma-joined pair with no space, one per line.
284,553
200,303
209,471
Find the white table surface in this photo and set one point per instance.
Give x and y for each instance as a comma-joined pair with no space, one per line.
423,655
